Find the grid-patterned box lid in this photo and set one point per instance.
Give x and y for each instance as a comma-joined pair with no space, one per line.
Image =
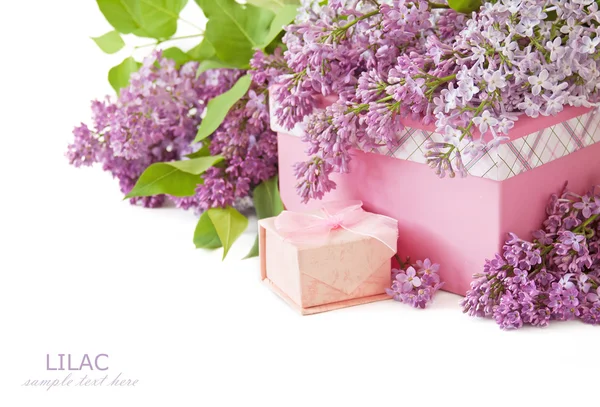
510,158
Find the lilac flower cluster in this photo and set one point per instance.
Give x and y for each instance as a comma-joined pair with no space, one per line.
555,277
155,119
249,146
473,76
415,284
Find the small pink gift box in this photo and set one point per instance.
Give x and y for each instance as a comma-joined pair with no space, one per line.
323,261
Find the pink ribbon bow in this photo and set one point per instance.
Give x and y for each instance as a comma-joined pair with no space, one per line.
314,228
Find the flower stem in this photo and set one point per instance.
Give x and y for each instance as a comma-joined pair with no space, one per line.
362,107
385,99
169,39
433,5
363,17
434,84
581,227
398,259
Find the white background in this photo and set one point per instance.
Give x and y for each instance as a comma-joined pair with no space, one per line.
82,271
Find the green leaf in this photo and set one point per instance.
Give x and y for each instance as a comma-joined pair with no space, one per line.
267,200
205,53
177,55
162,178
110,42
196,165
207,65
274,5
177,178
283,17
218,107
202,51
118,76
205,235
254,251
144,18
465,6
229,224
235,30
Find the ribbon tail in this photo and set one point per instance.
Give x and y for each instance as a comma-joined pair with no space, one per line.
378,227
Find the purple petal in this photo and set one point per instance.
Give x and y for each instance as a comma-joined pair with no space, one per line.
402,278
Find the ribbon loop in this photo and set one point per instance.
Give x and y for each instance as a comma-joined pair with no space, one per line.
314,228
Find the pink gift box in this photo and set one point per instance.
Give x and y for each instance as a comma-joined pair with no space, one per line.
348,269
460,222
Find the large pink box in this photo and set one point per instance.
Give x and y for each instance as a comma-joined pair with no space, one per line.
460,222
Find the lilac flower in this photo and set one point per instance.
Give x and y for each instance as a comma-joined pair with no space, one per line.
586,206
427,266
450,96
485,121
512,320
594,296
540,81
588,45
554,104
591,313
467,88
417,285
584,283
409,279
530,108
571,240
565,281
154,119
315,181
557,277
494,81
571,297
555,48
422,297
503,127
401,59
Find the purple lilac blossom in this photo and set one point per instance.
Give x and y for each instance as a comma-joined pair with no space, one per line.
250,150
555,277
155,119
416,285
473,76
